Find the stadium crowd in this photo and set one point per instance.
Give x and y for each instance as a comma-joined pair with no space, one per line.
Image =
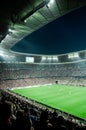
16,112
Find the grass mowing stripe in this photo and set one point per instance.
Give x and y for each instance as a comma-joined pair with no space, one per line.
70,99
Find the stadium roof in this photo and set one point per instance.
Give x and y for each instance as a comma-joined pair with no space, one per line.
43,26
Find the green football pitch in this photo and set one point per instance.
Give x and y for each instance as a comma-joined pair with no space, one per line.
70,99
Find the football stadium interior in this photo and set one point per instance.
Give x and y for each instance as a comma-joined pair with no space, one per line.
43,64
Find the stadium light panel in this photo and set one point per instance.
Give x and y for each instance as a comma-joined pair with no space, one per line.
30,59
50,3
73,55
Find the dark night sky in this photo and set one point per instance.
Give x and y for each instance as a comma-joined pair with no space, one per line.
65,34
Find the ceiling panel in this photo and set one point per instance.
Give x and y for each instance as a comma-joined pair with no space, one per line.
37,19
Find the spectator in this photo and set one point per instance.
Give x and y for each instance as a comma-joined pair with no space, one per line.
5,115
22,121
